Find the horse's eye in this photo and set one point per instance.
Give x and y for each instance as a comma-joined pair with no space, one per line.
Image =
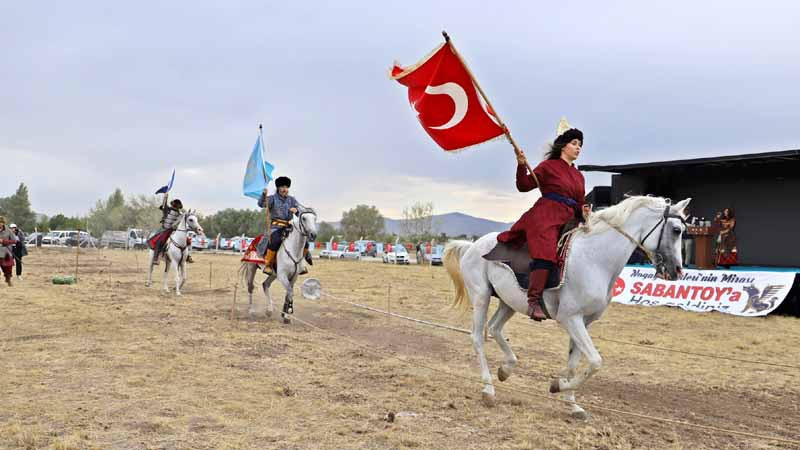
677,230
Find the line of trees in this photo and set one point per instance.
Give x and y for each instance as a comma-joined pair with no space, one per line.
116,212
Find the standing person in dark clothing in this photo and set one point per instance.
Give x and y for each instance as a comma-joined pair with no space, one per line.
19,249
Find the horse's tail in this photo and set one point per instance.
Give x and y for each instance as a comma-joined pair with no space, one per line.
453,252
241,276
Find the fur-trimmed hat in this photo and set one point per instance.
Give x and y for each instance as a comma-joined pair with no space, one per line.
283,181
177,204
569,135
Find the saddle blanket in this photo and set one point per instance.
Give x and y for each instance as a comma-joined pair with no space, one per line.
519,260
251,254
159,239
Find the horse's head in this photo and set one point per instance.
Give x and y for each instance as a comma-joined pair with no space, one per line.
192,223
664,240
306,222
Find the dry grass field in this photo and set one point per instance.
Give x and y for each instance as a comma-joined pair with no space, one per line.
109,363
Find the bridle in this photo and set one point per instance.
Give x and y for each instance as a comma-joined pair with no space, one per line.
656,257
301,228
185,230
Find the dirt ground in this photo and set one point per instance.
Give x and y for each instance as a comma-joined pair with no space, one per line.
110,363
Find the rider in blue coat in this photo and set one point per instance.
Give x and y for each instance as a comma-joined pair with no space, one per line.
281,208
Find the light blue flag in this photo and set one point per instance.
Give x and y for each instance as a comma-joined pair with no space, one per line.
258,173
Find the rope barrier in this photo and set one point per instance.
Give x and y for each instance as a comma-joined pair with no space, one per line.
393,355
599,338
705,355
424,322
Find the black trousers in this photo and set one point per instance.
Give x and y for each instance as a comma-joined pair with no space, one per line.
18,260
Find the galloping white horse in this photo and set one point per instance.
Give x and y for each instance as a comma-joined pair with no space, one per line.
290,257
598,254
176,252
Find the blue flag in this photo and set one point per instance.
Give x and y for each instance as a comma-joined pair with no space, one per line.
258,173
168,187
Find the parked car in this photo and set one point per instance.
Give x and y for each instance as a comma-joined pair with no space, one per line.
331,254
223,244
398,255
133,238
31,238
82,238
58,237
367,248
351,254
240,243
434,258
199,241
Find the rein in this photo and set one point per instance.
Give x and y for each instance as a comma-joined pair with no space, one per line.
185,230
304,233
656,257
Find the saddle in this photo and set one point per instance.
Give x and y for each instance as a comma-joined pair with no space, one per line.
519,260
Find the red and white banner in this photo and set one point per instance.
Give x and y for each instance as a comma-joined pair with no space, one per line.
448,105
731,292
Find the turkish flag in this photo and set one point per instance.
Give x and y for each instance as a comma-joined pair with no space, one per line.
448,105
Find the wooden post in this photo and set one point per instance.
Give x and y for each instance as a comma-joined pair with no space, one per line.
389,302
233,306
507,132
77,254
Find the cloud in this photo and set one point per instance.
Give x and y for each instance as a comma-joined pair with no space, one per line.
98,96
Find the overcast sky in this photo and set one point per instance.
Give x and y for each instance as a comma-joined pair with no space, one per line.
96,95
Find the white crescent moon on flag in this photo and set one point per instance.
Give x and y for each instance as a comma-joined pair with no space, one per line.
459,97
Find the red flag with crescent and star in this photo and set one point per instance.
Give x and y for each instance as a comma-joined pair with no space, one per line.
447,102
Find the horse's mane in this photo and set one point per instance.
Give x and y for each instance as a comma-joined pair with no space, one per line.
617,215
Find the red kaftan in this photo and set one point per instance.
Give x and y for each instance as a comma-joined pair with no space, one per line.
541,224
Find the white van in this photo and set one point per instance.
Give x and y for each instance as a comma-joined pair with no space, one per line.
58,237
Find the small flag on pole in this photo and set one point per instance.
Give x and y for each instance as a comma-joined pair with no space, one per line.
167,187
258,173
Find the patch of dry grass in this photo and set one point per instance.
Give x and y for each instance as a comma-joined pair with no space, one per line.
109,363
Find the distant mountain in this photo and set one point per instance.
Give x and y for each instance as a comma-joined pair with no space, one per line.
452,224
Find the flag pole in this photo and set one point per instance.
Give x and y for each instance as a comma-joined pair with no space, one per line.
507,132
268,235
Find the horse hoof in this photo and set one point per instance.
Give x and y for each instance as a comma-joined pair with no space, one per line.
503,374
554,387
488,400
579,415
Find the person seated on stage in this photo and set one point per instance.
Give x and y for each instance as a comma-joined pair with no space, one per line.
169,221
727,253
281,208
562,200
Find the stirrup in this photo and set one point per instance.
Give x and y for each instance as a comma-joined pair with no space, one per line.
267,270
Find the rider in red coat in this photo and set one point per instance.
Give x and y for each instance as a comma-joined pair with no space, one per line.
562,188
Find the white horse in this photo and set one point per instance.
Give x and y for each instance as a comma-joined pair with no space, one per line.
177,251
289,261
598,254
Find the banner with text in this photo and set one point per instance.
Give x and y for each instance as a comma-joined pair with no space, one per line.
738,293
